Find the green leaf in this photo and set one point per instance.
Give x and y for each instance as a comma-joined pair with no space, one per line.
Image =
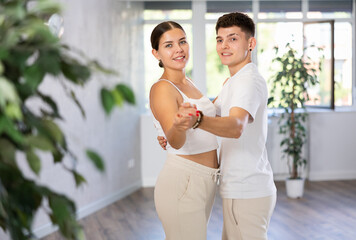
79,179
107,100
13,111
4,52
119,99
80,234
33,76
49,61
8,127
7,151
76,101
126,93
96,159
8,93
62,209
74,71
15,10
51,103
57,156
33,161
45,7
97,66
40,142
1,68
53,130
63,214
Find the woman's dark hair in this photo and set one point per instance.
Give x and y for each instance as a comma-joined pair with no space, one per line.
238,19
158,32
160,29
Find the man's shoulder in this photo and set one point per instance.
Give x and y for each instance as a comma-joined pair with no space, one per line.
249,71
250,78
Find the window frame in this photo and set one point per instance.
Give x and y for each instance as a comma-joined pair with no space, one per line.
199,22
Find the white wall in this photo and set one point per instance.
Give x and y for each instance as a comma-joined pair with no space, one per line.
331,151
152,155
111,32
333,146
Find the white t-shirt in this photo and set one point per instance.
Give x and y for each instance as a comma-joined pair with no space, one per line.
246,172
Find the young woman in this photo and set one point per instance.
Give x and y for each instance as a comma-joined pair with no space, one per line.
186,186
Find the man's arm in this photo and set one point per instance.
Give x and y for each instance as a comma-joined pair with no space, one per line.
230,127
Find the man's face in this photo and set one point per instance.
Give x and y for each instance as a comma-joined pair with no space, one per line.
232,46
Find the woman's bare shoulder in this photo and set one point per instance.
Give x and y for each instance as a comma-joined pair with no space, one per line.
163,91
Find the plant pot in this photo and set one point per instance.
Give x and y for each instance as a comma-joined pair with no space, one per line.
295,187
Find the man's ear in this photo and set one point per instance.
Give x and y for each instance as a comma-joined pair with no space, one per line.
252,43
155,54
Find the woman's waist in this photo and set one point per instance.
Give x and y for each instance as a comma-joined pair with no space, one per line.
208,159
204,163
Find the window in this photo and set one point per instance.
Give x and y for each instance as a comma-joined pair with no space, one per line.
321,35
280,9
330,9
277,34
277,23
343,64
217,8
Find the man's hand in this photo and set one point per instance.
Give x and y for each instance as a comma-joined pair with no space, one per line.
162,141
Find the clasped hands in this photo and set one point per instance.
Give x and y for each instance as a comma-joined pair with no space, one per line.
184,119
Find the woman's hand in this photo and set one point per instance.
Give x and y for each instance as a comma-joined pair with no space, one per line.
185,117
184,120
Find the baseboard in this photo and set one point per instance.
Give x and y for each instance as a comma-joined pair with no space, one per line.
91,208
329,176
313,176
321,176
149,182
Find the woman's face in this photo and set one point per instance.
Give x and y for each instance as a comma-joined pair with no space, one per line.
173,49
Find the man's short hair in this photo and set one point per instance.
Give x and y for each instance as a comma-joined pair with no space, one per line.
238,19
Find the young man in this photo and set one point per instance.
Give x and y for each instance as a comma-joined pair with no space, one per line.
246,187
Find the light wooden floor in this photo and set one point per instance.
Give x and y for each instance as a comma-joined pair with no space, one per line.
326,212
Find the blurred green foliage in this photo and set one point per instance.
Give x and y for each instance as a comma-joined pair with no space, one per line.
29,52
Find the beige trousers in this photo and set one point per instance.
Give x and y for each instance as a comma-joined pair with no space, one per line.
247,219
184,196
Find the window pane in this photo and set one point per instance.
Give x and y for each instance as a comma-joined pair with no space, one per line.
215,16
319,35
216,73
216,9
343,64
330,9
280,9
152,71
167,14
277,34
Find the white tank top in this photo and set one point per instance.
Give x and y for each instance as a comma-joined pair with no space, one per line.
197,140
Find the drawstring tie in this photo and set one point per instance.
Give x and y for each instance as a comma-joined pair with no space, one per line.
216,176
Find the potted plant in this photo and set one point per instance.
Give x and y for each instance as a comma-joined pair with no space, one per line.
29,52
297,73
